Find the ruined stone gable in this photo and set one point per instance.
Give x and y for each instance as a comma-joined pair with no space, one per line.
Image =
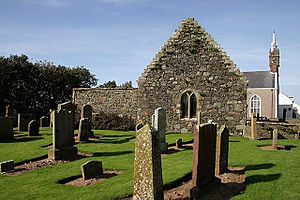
192,78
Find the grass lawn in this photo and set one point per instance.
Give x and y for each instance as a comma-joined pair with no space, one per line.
270,174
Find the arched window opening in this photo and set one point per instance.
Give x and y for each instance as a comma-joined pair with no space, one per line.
255,103
193,107
184,106
188,105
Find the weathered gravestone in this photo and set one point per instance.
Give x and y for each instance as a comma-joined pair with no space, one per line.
222,148
84,129
159,123
253,127
87,112
148,182
179,143
91,169
9,111
63,136
204,159
44,121
275,139
6,129
33,128
23,120
7,166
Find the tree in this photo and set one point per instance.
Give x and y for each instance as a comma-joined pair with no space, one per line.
37,87
109,84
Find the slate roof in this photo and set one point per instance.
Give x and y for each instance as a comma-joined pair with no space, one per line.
260,79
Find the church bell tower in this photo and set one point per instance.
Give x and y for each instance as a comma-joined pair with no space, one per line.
274,58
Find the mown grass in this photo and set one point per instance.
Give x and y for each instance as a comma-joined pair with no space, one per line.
270,174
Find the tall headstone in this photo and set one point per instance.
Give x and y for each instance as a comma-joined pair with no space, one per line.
33,128
44,121
148,182
84,128
23,120
179,143
6,129
51,118
275,138
204,159
87,112
9,111
253,127
63,136
160,125
222,149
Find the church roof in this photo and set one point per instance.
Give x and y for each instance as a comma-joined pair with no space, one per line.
260,79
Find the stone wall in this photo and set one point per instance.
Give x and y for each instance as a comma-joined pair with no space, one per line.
191,61
116,101
285,130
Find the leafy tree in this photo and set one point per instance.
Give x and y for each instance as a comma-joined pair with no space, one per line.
109,84
37,87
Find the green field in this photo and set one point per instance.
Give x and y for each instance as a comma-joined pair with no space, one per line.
269,174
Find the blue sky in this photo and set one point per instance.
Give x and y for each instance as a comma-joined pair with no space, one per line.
116,39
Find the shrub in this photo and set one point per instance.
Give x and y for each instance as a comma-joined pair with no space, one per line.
110,121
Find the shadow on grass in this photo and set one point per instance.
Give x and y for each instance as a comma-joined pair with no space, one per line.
23,139
234,141
262,178
259,166
125,135
115,153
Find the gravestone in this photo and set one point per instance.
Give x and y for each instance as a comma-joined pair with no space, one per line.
159,123
67,106
33,128
84,128
87,112
9,111
179,143
204,159
253,127
275,139
44,121
23,120
6,129
7,166
63,136
91,169
51,118
222,148
148,182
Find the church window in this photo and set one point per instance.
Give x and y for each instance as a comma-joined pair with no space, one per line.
188,105
255,103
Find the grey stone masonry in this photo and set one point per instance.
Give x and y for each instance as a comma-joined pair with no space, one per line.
191,62
63,136
7,166
91,169
148,182
222,150
204,159
159,123
33,128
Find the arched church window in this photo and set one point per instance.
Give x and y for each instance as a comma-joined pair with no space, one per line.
255,105
188,105
184,106
193,107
